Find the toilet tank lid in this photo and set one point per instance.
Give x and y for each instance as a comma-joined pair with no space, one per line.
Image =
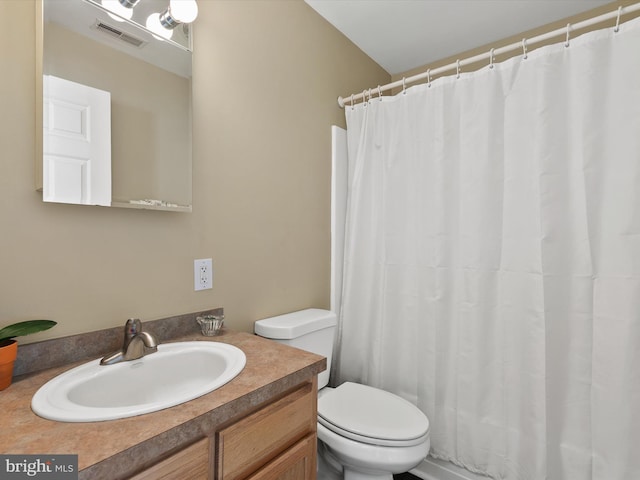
295,324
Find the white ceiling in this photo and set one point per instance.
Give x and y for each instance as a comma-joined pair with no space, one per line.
404,34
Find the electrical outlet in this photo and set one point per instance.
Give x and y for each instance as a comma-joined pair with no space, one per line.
203,274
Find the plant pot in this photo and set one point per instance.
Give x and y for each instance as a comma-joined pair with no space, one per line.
8,355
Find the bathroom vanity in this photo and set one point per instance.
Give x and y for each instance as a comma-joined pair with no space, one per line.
276,442
261,425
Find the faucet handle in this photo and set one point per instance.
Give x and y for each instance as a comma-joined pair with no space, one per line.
132,327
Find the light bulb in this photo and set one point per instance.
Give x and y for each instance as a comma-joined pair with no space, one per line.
154,25
184,11
118,10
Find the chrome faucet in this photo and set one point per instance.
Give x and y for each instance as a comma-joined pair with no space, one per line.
136,344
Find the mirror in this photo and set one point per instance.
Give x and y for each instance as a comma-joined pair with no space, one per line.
116,107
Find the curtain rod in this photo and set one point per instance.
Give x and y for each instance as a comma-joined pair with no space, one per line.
492,53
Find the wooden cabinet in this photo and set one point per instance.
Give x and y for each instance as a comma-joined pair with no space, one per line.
296,463
191,462
272,443
276,442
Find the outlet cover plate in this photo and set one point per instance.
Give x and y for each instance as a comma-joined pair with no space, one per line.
202,274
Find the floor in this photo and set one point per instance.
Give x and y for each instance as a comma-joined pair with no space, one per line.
405,476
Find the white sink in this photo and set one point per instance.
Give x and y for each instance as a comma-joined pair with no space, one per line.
176,373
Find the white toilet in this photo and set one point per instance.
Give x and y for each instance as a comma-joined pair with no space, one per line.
364,433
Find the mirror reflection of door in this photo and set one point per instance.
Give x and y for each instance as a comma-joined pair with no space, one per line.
149,80
76,143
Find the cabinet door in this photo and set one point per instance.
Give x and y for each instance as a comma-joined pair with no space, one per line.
297,463
249,444
191,462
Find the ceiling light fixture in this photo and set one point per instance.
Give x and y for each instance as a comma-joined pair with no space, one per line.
118,10
128,3
154,25
179,11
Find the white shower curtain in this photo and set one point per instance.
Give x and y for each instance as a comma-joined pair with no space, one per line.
492,259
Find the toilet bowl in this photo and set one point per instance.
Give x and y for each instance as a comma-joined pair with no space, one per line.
371,433
364,433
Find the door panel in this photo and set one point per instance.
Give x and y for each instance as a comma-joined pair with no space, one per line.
76,143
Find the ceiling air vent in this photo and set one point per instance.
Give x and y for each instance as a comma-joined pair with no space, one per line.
119,34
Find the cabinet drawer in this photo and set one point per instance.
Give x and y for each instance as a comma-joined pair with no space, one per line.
191,462
299,462
250,443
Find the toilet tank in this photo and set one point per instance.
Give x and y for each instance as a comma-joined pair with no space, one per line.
312,330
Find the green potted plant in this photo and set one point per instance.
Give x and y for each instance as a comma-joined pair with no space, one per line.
9,347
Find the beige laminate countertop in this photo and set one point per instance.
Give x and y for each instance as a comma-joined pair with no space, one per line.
119,448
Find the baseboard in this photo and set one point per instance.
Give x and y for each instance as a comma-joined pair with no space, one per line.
432,469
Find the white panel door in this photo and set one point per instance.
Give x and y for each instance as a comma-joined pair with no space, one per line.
76,143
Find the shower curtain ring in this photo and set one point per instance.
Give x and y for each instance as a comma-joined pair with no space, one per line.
524,48
491,57
364,98
458,68
404,86
352,107
379,93
617,29
566,43
369,93
429,78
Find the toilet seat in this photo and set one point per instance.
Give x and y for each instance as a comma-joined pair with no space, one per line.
372,416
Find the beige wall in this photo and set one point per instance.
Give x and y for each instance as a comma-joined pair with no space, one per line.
266,78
